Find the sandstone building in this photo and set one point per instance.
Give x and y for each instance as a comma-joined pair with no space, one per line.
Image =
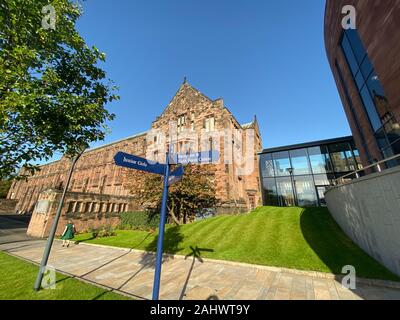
189,116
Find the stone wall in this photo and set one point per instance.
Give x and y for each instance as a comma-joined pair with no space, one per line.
87,211
96,172
368,211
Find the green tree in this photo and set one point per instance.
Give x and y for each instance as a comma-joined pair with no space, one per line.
53,92
194,193
4,187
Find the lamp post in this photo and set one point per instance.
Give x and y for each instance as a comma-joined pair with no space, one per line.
290,170
53,230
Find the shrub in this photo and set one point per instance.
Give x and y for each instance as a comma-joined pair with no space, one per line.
106,231
142,220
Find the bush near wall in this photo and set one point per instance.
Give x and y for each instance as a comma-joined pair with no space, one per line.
143,220
4,187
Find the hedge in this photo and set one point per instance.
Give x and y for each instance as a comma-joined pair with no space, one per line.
139,220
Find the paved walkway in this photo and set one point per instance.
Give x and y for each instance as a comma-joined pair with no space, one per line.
132,272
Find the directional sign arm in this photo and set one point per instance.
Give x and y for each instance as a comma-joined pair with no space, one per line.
134,162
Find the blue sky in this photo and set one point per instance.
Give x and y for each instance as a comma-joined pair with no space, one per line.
265,58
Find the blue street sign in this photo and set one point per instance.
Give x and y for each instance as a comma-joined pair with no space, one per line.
134,162
161,228
195,158
176,176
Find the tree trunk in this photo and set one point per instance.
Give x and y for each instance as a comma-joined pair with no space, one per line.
171,211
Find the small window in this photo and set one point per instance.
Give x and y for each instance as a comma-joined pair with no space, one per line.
181,123
209,124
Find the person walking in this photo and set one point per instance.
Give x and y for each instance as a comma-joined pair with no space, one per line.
68,233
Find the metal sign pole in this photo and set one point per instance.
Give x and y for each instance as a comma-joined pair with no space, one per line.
161,227
50,239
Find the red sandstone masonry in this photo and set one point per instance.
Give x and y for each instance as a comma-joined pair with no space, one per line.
96,173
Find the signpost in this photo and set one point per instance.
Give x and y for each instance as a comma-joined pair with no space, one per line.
195,158
176,176
134,162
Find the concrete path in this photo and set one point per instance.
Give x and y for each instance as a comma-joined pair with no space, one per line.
132,272
13,228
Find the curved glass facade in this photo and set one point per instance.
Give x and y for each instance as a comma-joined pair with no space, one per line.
299,175
384,125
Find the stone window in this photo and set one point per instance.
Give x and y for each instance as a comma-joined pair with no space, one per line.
155,156
78,207
192,118
181,123
209,124
70,206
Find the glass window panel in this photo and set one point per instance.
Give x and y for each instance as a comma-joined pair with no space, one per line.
392,129
378,97
281,163
381,139
305,190
270,194
396,149
339,162
360,80
366,67
371,110
358,158
319,159
321,195
300,162
338,156
338,147
267,165
351,161
356,44
348,52
285,191
323,179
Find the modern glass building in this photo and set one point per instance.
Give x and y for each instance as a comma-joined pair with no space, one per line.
299,175
366,66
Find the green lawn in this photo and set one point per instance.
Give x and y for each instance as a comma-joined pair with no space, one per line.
306,239
17,279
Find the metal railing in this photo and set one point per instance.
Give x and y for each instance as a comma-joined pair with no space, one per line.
376,165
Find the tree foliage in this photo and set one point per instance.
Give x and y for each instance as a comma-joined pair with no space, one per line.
192,194
4,188
53,92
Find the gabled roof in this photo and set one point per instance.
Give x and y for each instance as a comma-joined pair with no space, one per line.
185,86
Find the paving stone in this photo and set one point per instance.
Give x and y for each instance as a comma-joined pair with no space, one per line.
133,272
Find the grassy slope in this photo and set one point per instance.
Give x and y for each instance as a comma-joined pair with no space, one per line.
17,279
307,239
